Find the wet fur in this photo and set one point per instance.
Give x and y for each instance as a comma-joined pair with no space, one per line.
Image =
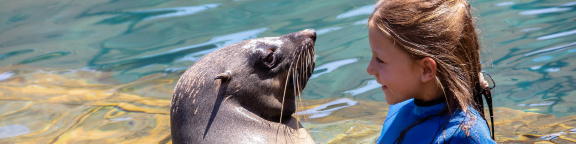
254,103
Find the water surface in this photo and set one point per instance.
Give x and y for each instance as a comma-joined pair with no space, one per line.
103,71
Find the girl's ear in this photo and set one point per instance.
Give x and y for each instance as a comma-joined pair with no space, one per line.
429,68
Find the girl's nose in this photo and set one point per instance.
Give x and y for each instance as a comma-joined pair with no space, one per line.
370,69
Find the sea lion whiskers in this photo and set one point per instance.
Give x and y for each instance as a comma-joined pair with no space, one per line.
308,60
302,73
283,96
298,75
307,65
298,83
297,126
296,72
295,95
297,88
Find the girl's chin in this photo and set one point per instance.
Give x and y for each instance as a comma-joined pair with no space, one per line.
391,100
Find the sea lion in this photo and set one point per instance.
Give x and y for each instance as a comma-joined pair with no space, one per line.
245,92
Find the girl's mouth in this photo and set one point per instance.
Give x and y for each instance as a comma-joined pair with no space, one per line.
384,87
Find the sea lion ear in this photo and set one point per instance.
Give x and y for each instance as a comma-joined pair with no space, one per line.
224,76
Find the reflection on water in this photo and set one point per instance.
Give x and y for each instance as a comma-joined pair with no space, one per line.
5,75
560,8
326,30
176,11
103,71
365,10
217,42
552,49
324,110
372,84
329,67
557,35
13,130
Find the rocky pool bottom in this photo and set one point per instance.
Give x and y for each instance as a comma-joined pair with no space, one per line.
84,106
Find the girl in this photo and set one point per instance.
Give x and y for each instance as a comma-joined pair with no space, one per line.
425,53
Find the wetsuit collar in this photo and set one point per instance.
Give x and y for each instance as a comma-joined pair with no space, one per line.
429,103
427,108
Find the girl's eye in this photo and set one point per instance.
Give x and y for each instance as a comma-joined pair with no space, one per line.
378,60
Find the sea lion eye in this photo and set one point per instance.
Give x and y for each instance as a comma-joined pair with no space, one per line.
270,60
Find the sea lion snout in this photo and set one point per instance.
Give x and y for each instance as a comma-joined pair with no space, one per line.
311,33
304,37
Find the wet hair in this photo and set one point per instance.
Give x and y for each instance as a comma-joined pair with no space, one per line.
444,31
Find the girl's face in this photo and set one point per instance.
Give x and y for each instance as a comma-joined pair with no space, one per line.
395,69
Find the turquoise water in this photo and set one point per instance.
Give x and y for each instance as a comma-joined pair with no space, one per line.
64,62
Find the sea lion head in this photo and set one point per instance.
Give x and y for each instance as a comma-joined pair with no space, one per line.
272,71
257,74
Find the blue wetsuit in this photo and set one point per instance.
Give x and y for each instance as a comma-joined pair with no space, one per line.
434,130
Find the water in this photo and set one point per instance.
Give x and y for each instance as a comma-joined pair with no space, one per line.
103,71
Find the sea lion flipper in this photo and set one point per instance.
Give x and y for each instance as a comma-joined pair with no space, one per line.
223,76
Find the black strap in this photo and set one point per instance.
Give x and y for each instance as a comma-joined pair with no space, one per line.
488,96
